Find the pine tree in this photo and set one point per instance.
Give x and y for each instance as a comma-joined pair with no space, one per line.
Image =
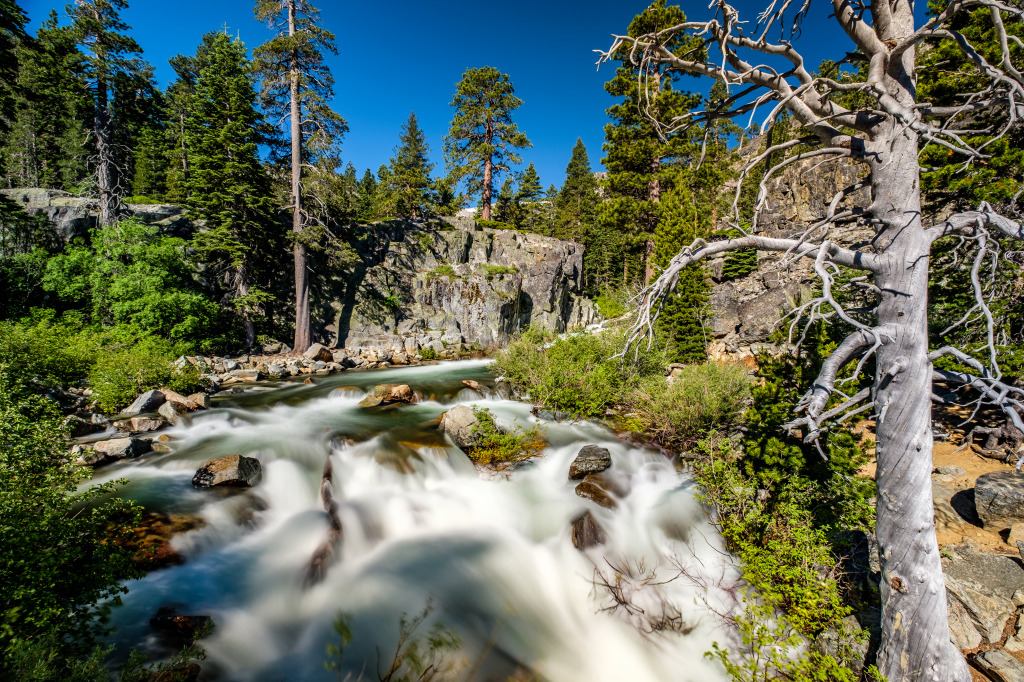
481,138
505,210
640,164
97,27
681,323
527,199
12,34
139,136
298,85
575,207
407,192
366,193
46,144
227,186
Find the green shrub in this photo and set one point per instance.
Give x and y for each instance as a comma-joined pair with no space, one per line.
62,549
495,225
494,445
50,350
445,270
495,270
577,374
701,399
123,371
610,306
428,354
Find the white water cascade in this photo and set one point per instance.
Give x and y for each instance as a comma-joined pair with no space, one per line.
492,553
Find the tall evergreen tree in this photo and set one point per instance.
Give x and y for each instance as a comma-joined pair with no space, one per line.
575,207
681,323
98,28
298,86
138,138
640,163
46,146
407,192
506,209
482,137
366,196
12,34
527,200
227,185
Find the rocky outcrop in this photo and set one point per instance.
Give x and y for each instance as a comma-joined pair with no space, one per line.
746,309
458,424
433,286
999,499
74,216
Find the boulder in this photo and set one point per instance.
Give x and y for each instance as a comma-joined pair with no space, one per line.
139,424
173,411
318,352
147,402
78,427
115,449
999,499
174,397
951,470
980,589
202,400
277,371
248,376
591,459
458,424
388,394
592,489
587,532
947,518
1000,666
231,471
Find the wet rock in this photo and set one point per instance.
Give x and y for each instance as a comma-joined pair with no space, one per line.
587,532
388,394
318,352
173,411
78,427
162,444
185,628
175,397
106,451
593,489
201,400
231,471
591,459
1000,666
999,499
184,673
951,470
248,376
139,424
458,424
475,385
147,402
277,371
152,539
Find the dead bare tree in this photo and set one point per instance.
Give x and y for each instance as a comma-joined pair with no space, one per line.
885,136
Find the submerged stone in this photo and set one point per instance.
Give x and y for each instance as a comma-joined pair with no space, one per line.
591,459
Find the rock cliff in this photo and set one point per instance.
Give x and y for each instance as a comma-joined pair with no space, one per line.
746,309
454,282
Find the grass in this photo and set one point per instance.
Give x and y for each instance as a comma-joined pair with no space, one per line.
445,270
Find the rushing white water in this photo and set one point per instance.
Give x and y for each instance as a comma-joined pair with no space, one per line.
492,553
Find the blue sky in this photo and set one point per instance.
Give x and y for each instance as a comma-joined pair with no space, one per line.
401,56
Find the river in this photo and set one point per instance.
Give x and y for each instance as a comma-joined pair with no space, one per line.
490,553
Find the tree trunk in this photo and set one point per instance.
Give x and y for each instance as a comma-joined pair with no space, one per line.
105,164
485,198
916,643
302,322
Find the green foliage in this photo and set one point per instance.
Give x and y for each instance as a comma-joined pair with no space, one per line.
494,225
135,276
700,400
576,374
125,369
405,191
492,271
575,206
62,549
772,457
611,305
428,354
495,445
444,270
482,138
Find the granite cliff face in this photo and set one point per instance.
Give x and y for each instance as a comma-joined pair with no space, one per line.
745,310
434,285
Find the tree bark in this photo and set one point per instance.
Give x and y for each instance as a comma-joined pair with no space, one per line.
104,165
915,628
302,321
485,198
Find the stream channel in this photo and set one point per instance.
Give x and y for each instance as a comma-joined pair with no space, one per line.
491,553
